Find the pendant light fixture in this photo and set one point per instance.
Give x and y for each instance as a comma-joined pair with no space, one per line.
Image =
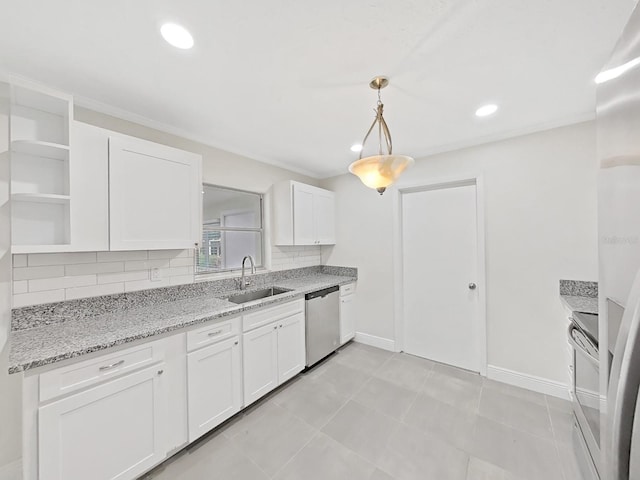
380,171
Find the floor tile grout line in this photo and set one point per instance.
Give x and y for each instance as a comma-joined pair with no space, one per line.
237,448
317,432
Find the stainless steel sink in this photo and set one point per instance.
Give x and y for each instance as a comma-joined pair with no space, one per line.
256,295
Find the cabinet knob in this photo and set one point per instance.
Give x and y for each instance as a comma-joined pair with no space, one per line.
275,327
160,372
472,286
235,343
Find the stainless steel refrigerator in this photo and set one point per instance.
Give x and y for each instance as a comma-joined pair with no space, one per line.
618,139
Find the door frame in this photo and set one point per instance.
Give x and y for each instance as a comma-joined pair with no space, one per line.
398,255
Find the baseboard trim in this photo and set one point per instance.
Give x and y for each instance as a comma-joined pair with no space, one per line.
530,382
11,471
374,341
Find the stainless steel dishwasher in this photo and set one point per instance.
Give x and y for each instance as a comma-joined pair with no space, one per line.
322,323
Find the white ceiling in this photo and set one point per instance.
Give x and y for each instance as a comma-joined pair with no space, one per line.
286,81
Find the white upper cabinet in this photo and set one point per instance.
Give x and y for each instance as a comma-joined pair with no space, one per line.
303,214
76,187
154,195
39,124
89,187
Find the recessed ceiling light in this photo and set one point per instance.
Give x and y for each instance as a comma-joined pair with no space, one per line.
356,148
486,110
177,35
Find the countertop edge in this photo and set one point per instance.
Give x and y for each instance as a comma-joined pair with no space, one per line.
577,303
289,296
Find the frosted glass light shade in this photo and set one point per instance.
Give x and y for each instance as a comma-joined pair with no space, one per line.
380,171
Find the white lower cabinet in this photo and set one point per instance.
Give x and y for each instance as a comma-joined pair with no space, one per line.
291,347
116,416
275,352
112,431
260,359
347,313
214,385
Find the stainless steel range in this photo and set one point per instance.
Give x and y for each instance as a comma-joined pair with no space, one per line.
583,336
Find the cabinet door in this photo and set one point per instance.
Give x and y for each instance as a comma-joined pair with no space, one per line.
154,196
324,212
347,319
214,385
112,431
89,187
304,222
260,362
291,347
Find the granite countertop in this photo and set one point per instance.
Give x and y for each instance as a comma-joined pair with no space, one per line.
580,296
47,344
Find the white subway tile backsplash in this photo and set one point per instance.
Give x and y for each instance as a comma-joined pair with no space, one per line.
61,282
94,290
181,279
19,261
28,273
181,262
40,259
145,284
122,256
177,271
122,276
88,268
34,298
51,277
155,254
21,286
145,264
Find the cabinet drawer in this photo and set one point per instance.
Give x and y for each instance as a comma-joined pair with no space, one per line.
347,289
271,314
80,375
212,333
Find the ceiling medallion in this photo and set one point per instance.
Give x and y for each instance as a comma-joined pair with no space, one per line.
380,171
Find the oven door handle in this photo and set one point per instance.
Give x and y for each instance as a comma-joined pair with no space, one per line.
595,361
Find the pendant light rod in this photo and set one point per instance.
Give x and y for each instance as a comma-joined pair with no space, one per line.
381,170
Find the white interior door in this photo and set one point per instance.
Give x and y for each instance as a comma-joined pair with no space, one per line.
440,269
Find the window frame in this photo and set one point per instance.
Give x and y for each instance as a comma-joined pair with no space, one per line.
261,230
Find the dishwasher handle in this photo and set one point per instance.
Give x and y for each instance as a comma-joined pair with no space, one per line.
321,293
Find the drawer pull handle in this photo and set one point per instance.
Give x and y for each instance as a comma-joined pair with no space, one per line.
213,334
113,365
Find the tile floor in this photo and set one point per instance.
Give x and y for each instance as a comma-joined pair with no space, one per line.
370,414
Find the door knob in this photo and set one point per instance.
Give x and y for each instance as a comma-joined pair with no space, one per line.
472,286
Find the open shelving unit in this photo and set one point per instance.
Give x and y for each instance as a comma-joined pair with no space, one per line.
40,120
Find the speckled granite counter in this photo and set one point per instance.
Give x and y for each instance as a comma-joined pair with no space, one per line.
77,335
580,296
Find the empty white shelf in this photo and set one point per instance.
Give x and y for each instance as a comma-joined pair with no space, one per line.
41,149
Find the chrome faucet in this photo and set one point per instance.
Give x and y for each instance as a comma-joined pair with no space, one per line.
244,283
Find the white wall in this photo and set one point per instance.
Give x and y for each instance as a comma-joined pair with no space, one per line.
10,392
540,200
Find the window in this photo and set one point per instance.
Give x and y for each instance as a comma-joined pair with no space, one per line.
231,228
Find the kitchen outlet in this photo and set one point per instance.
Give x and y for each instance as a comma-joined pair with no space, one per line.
155,275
